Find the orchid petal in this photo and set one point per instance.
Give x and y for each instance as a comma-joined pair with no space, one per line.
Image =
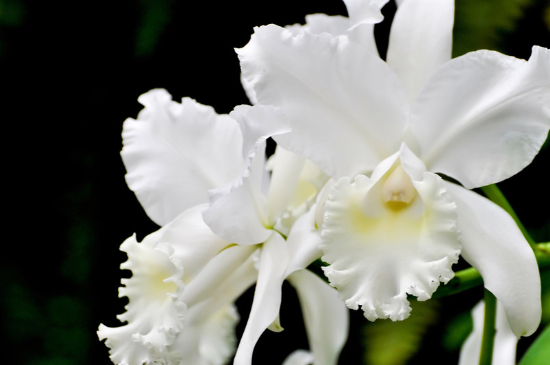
161,265
189,240
286,171
336,25
215,272
303,242
267,296
155,309
363,15
258,123
238,211
365,11
484,116
420,41
249,90
211,341
493,244
325,316
299,357
379,251
229,290
504,351
340,116
174,153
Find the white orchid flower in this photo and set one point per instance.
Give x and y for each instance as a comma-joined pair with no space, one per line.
165,321
504,349
176,156
382,130
259,210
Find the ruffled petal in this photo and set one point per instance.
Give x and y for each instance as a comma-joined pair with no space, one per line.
420,41
169,269
493,244
267,296
381,250
365,11
174,153
363,16
504,350
344,119
335,25
484,116
325,316
155,310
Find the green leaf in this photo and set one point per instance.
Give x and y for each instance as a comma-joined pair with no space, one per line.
394,343
480,24
457,331
539,352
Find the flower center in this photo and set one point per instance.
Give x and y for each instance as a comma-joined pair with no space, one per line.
398,188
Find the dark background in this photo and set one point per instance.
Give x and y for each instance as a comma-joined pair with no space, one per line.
71,72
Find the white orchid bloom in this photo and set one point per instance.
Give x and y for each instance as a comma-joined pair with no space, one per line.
392,227
176,156
166,324
504,349
259,210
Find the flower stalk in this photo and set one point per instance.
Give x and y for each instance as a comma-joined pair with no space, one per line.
489,331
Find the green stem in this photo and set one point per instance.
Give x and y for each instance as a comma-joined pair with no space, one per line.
463,280
488,337
495,195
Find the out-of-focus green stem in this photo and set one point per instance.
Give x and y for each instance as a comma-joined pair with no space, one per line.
463,280
495,195
488,337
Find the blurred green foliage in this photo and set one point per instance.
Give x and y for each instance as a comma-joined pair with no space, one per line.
480,24
394,343
12,13
457,330
539,352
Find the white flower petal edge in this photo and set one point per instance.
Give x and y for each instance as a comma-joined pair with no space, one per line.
504,351
346,108
299,357
416,52
325,316
494,245
239,210
483,117
267,296
160,274
335,25
174,153
365,11
383,263
359,27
